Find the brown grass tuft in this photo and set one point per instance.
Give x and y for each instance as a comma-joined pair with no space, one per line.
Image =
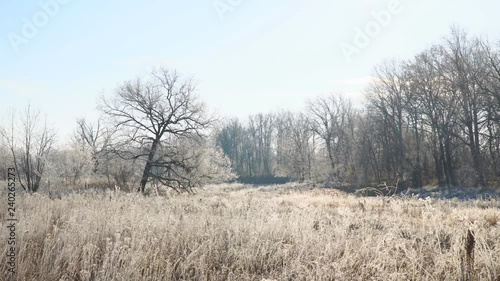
467,260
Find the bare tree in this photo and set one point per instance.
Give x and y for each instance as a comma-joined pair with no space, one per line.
300,150
329,119
4,154
151,116
98,138
260,129
70,163
230,139
437,109
29,144
491,86
462,66
387,95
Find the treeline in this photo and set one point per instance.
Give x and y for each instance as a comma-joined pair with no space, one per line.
431,120
434,119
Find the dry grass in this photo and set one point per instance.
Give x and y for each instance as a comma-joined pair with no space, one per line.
239,233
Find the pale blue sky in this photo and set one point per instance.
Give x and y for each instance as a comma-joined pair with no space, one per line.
259,56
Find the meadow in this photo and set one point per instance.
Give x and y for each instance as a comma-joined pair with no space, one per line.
240,232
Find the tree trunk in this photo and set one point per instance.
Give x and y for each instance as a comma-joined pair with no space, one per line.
330,153
147,168
477,149
417,179
450,170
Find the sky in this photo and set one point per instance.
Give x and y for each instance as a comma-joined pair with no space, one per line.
246,56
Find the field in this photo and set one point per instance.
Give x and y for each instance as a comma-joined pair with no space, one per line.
237,232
